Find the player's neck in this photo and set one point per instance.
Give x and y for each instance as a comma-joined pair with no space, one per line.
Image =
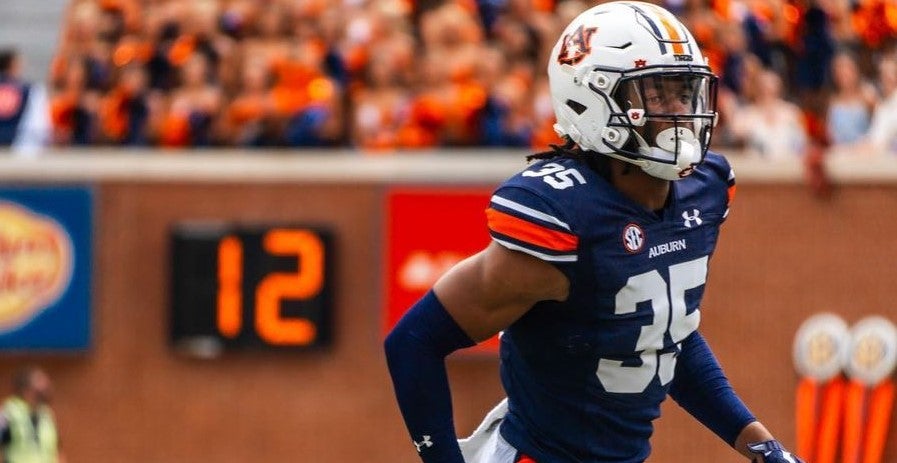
650,192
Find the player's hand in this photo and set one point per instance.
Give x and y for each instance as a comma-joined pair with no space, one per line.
771,451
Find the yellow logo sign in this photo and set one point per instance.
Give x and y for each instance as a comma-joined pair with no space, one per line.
35,264
820,345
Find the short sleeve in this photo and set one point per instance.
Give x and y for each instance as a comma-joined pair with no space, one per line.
730,191
522,220
720,184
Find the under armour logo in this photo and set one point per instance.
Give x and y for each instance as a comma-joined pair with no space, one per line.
692,218
424,443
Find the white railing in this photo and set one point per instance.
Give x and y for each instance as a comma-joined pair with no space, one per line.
341,166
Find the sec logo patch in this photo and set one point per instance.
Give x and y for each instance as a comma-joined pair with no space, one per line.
633,238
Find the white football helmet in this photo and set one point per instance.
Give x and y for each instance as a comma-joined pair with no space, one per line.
628,80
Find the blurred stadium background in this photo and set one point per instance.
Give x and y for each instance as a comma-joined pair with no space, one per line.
186,154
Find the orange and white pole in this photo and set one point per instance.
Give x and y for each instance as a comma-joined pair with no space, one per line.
869,363
819,349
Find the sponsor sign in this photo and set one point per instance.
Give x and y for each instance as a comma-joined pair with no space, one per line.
45,268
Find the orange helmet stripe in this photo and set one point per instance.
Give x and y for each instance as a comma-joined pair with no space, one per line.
672,31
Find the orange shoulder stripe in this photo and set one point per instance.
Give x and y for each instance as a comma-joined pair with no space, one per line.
531,233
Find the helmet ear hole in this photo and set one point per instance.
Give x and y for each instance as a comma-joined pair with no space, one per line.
576,106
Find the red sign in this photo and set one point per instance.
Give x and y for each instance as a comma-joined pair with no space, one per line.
429,230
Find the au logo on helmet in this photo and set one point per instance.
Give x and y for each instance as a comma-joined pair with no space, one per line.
576,45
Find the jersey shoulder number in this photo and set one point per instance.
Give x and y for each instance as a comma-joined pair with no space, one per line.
556,175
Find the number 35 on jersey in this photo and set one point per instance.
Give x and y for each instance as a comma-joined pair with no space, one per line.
670,319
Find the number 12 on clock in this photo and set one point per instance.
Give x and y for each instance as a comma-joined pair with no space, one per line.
251,286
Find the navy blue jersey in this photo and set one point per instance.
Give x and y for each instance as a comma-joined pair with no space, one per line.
13,101
585,377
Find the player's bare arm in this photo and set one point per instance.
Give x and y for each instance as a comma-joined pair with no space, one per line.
490,290
477,298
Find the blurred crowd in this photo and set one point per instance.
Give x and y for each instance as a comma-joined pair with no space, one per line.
392,74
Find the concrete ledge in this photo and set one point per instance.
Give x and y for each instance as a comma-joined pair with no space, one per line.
346,166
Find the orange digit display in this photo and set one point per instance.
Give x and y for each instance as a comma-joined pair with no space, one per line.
252,286
230,281
305,283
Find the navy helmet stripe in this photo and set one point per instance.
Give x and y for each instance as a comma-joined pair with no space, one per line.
685,37
646,17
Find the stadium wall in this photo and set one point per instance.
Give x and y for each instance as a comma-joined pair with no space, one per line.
784,255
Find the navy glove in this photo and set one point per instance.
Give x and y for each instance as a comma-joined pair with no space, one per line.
772,452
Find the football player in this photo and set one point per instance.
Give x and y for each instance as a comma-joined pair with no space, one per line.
596,268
